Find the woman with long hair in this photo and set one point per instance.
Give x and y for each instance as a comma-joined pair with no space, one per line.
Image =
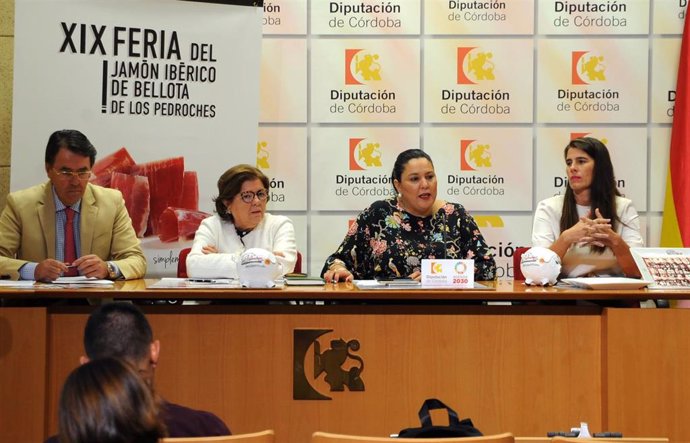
106,401
591,227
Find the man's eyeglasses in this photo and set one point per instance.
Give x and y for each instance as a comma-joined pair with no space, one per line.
68,175
248,196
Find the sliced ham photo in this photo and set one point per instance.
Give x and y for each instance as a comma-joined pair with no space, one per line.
179,224
152,189
190,191
135,190
118,161
165,184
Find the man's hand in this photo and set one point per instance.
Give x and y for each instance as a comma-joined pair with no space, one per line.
91,266
49,270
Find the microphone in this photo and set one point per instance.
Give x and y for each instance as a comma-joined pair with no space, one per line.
444,226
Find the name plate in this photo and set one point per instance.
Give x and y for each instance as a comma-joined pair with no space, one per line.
448,273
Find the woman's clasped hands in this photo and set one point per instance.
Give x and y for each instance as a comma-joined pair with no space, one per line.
594,231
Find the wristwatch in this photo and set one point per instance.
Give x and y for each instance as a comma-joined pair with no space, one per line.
112,270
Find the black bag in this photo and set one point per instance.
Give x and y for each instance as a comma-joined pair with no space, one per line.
455,428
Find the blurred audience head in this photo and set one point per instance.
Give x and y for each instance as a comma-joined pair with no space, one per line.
106,401
121,330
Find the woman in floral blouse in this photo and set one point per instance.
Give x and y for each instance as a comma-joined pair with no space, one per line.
391,237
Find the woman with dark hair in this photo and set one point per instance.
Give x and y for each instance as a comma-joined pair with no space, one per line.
106,401
592,227
241,222
391,237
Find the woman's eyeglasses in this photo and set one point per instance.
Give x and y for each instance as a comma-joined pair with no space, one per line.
68,175
248,196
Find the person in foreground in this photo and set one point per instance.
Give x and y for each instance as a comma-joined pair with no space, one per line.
392,236
592,227
68,226
106,401
120,330
241,222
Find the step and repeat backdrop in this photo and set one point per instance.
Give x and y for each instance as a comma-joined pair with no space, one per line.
492,90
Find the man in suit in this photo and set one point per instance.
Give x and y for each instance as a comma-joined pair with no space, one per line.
67,226
120,330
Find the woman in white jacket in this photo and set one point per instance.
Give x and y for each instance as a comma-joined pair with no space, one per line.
592,227
241,222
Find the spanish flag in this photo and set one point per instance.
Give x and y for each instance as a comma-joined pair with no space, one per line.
675,228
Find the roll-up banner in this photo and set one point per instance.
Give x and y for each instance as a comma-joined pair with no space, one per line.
167,91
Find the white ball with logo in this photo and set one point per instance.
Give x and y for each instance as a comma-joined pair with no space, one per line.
258,268
540,266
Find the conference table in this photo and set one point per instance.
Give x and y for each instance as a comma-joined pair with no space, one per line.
526,360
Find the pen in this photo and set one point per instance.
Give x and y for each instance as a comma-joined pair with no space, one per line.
201,280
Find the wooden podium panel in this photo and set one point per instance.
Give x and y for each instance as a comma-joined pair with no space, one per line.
22,374
527,369
649,372
507,369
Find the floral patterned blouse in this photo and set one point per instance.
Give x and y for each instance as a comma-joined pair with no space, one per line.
387,241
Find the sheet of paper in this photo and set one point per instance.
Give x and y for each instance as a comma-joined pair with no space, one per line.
374,284
17,284
196,283
606,282
81,280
